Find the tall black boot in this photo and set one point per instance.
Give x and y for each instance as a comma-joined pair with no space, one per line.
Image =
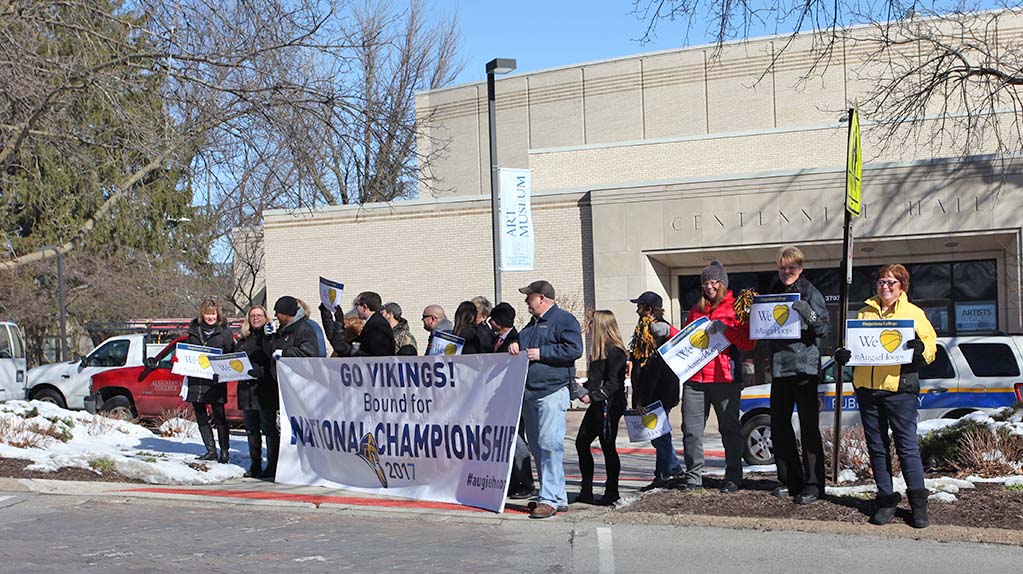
206,432
918,502
273,451
886,506
255,455
225,443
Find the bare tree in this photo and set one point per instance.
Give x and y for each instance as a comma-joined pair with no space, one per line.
943,74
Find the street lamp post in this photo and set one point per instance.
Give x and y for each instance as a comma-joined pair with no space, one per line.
494,67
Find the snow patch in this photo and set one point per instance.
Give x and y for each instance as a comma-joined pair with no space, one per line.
847,475
942,497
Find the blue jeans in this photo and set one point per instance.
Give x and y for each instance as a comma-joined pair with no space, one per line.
879,411
545,432
667,464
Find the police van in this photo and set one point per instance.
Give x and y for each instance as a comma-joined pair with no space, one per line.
969,373
13,364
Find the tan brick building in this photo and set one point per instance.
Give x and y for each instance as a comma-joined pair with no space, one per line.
645,168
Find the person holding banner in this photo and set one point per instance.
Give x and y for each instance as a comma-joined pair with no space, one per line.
466,328
377,337
483,310
257,397
606,396
553,342
210,330
887,396
795,372
652,380
715,385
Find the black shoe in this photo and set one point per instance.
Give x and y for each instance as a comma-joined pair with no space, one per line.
780,491
522,494
656,483
224,458
253,472
806,498
609,499
585,498
210,455
691,487
887,504
729,487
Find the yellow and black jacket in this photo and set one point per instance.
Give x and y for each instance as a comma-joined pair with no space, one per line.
897,377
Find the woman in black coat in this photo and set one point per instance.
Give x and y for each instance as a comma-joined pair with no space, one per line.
257,397
465,327
606,397
210,330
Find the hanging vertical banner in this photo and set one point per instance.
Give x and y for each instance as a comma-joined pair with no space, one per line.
516,186
854,165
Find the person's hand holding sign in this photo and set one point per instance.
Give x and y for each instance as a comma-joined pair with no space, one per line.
513,349
533,354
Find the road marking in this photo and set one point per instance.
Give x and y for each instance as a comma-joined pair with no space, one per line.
606,551
3,498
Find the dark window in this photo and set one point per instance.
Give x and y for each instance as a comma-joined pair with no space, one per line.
941,368
974,281
930,281
990,359
829,374
112,354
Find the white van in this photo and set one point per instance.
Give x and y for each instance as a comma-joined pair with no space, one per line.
13,364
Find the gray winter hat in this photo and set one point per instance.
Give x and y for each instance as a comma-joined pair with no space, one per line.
715,271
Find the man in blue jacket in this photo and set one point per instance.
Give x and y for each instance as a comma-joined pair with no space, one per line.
553,341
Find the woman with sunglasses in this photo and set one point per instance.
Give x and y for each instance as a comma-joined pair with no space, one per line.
887,396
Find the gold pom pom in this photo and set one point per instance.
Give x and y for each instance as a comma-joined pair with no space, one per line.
743,305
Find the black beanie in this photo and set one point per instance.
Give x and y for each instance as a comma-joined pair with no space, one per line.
503,314
286,305
714,271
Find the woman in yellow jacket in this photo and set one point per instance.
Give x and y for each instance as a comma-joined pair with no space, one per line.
887,396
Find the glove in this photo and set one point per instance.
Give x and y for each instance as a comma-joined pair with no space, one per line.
916,345
842,356
277,354
715,327
256,372
269,328
216,378
805,311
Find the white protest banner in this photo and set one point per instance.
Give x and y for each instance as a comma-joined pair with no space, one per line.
428,428
194,360
647,426
692,348
772,317
330,293
879,341
445,343
517,239
231,367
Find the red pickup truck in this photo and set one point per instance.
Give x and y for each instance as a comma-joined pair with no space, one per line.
148,392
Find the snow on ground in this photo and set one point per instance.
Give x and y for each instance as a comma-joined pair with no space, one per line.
53,438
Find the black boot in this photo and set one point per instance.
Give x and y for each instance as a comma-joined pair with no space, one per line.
255,456
886,505
273,450
225,443
918,502
206,432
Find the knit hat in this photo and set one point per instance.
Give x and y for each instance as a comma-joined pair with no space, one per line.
715,271
286,305
503,314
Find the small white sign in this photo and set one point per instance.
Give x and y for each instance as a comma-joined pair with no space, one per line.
330,293
772,317
692,348
194,360
976,316
445,343
875,342
231,367
648,426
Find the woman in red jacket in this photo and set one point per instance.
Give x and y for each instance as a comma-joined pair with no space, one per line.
715,384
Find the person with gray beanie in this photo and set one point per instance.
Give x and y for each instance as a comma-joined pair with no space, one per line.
715,384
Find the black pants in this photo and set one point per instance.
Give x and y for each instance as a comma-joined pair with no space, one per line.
258,424
799,392
594,426
202,419
522,467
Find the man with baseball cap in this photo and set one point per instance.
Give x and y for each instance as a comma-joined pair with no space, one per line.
553,342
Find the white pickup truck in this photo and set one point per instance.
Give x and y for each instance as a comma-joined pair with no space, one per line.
12,362
67,384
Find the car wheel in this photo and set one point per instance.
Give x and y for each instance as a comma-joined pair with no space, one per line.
50,396
118,407
756,434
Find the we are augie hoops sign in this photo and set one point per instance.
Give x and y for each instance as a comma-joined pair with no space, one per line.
692,348
879,341
772,317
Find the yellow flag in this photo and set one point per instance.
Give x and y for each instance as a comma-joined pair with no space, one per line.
854,165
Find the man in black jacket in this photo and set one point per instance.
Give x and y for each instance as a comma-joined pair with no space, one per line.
377,338
295,337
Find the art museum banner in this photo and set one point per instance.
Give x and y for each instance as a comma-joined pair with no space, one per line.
430,428
517,240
